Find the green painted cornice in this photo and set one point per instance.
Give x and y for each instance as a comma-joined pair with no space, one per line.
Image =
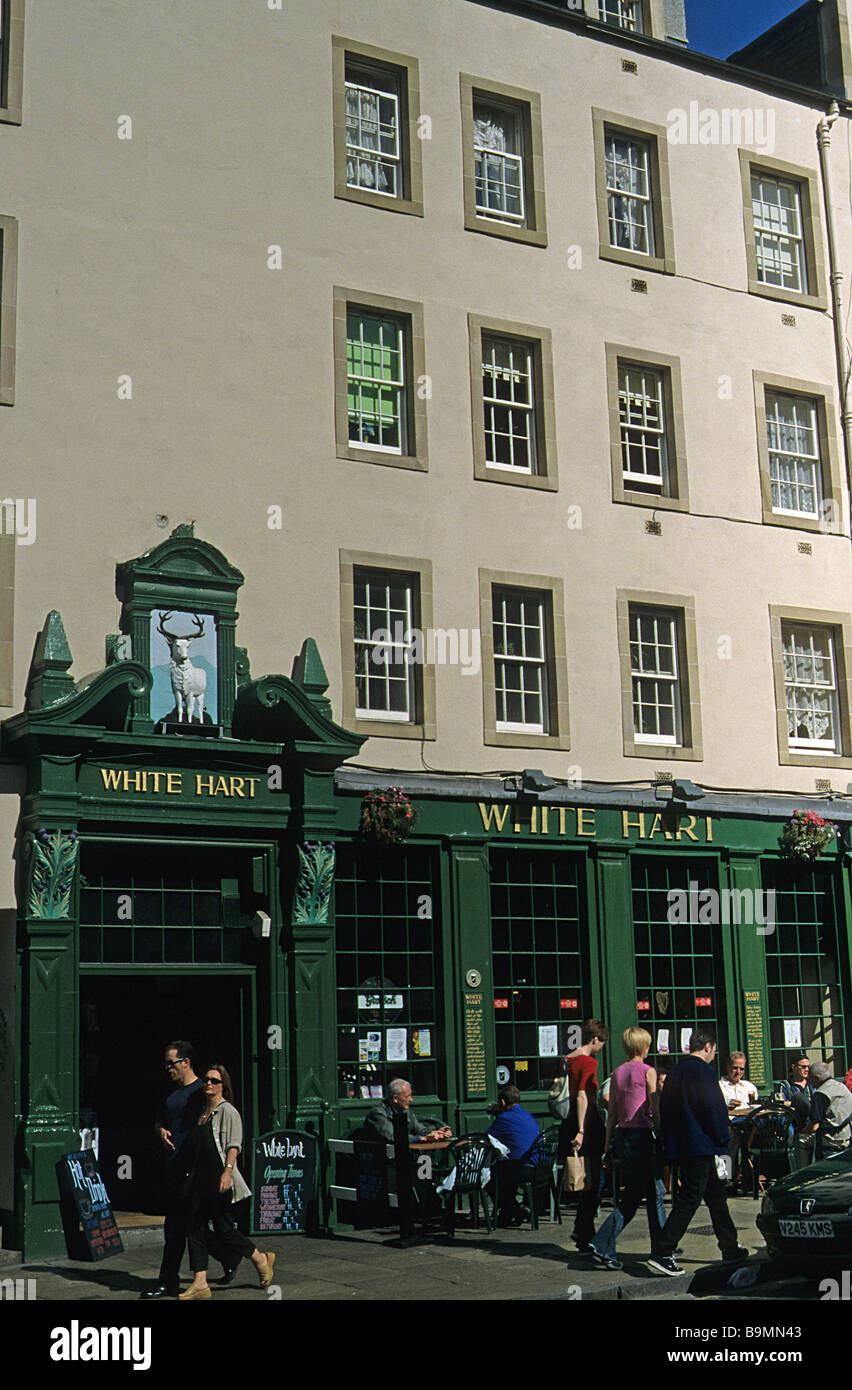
182,557
278,710
101,701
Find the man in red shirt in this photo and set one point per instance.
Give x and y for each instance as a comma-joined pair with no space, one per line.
583,1132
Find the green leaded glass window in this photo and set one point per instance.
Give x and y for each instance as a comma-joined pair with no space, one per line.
375,370
805,968
156,907
390,1020
538,935
679,975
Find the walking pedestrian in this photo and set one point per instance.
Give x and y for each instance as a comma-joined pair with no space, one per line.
214,1181
582,1133
631,1117
694,1123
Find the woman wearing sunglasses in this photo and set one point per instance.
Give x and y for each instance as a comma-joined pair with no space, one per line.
215,1182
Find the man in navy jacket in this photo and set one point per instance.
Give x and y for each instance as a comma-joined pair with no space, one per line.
694,1124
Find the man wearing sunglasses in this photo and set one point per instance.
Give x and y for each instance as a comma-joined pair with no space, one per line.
177,1115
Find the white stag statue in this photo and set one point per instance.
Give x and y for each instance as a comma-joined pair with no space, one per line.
188,683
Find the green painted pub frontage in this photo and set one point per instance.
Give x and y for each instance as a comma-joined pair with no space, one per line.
190,863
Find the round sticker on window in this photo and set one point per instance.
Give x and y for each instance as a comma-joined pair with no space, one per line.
502,1076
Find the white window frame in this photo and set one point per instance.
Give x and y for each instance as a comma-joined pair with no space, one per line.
641,432
385,635
363,154
396,385
623,14
788,632
769,236
797,459
518,411
644,201
524,662
502,160
657,680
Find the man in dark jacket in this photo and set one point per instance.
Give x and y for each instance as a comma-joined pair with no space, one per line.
694,1124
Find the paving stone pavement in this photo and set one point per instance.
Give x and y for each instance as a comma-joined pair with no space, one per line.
512,1264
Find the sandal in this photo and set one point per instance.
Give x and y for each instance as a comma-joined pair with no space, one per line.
265,1270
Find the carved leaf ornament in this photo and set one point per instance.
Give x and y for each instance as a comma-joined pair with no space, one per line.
316,877
54,863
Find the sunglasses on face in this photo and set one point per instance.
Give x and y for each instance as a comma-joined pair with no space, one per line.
169,1065
212,1081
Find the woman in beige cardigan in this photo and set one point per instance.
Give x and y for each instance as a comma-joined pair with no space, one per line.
215,1182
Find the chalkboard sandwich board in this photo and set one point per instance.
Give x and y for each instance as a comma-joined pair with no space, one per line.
284,1182
85,1203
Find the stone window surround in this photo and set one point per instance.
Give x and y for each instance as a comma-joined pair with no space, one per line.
545,416
616,354
683,605
604,123
12,76
817,296
832,489
425,728
528,104
557,666
653,18
407,72
415,369
841,625
8,307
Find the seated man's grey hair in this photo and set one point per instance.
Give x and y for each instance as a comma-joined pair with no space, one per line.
820,1071
397,1086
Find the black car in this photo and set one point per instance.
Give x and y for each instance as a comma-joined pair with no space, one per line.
806,1218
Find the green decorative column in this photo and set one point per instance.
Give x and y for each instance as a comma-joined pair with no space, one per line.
314,1015
473,1005
744,951
616,964
46,1122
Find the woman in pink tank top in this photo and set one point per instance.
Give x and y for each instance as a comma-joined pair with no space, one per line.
630,1122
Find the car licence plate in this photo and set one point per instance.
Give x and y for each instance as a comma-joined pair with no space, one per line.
809,1229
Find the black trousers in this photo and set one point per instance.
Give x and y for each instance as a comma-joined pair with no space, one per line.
216,1209
699,1182
584,1221
175,1236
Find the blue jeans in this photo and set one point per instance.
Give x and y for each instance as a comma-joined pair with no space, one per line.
635,1147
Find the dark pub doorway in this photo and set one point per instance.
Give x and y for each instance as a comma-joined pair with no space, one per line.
126,1021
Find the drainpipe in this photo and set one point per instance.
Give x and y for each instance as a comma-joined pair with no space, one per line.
836,280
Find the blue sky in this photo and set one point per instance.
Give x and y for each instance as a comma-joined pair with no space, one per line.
719,27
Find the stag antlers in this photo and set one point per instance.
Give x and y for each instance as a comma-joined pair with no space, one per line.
180,636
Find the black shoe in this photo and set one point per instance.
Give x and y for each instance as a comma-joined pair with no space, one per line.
666,1264
161,1291
736,1256
228,1274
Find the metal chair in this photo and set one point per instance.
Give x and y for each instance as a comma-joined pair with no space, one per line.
469,1162
539,1181
769,1137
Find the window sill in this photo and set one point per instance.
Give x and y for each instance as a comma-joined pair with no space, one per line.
663,750
805,301
628,498
389,728
484,473
386,460
663,265
491,227
800,523
495,739
410,207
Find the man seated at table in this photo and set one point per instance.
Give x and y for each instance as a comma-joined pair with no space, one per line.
398,1102
831,1112
519,1131
740,1095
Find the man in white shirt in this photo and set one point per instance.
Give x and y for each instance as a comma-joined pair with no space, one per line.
740,1095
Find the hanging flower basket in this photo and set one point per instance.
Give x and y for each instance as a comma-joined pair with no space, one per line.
805,837
387,816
